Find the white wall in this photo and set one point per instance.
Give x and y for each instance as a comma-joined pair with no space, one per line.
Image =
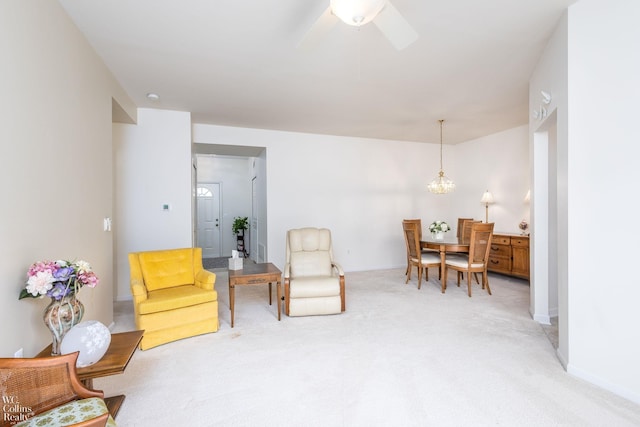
55,163
591,68
153,168
234,175
603,94
498,163
362,188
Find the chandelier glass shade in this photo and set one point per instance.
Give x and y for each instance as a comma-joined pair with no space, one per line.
441,184
357,12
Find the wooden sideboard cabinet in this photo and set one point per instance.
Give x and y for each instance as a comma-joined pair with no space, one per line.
510,255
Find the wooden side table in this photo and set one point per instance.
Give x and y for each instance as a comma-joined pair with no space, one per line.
115,361
255,274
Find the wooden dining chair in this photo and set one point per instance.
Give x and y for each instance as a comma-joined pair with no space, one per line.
415,256
418,223
465,235
477,259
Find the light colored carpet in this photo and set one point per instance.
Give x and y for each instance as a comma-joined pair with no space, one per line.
398,356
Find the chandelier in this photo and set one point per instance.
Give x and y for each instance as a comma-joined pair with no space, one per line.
441,184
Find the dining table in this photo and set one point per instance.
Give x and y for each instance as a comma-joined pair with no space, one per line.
443,245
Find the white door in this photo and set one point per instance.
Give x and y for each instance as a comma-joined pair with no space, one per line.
208,221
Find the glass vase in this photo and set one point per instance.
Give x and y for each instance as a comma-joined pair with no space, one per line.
60,316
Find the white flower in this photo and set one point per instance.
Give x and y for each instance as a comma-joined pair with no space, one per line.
40,283
439,226
83,266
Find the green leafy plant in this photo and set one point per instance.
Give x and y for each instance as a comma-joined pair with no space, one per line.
240,224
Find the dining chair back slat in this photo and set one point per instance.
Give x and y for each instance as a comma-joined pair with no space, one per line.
466,230
460,224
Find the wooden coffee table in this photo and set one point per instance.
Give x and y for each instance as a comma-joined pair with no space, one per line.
115,361
255,274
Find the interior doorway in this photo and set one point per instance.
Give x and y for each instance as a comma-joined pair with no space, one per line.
549,233
240,172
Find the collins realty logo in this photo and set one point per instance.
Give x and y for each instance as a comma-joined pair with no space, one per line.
13,411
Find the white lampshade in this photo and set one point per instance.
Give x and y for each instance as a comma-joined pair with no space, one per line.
487,198
90,338
357,12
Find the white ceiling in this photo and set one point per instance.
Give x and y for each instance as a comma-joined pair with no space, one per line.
236,63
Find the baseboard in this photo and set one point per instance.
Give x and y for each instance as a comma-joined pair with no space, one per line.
541,318
561,358
614,388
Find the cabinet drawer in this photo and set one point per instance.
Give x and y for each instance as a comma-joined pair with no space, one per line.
499,264
500,251
520,241
501,240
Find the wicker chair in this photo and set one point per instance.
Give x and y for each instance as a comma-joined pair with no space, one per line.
423,260
47,391
477,259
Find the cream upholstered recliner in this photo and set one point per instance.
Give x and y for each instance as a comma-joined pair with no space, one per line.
313,281
173,295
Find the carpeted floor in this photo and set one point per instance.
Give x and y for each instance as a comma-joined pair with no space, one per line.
217,263
398,356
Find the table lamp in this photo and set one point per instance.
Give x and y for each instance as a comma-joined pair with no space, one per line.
90,338
487,199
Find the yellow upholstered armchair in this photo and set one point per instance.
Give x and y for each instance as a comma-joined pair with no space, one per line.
173,295
46,391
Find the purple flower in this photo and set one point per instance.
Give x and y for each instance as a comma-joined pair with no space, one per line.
63,274
59,290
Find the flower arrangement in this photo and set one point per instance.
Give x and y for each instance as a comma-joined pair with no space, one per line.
439,226
58,279
523,226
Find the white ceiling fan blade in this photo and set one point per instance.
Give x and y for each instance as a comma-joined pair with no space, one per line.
393,25
318,30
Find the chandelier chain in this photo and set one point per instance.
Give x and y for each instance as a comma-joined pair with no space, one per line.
441,184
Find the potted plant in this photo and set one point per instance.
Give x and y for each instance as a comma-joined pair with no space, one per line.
438,228
240,224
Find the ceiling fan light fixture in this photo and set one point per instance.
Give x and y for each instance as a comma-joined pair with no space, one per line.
357,12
